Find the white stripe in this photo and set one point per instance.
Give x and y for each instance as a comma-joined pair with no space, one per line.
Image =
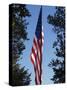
32,56
35,38
37,48
42,41
39,55
42,34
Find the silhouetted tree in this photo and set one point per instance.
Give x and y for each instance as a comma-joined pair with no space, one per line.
20,76
58,64
19,14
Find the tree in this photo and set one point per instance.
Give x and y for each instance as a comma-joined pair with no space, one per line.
20,76
58,63
19,24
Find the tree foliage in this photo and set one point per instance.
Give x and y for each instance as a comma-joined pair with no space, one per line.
58,63
19,26
20,12
20,76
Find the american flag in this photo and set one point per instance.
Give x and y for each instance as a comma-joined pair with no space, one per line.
36,54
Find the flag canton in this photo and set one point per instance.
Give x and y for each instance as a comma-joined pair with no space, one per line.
38,29
38,33
39,26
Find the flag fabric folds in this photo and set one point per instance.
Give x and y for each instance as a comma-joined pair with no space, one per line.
36,53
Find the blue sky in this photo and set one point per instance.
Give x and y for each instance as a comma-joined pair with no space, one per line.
49,38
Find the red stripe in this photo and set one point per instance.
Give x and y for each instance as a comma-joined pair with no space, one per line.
33,51
37,47
35,42
36,75
38,61
37,67
38,71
